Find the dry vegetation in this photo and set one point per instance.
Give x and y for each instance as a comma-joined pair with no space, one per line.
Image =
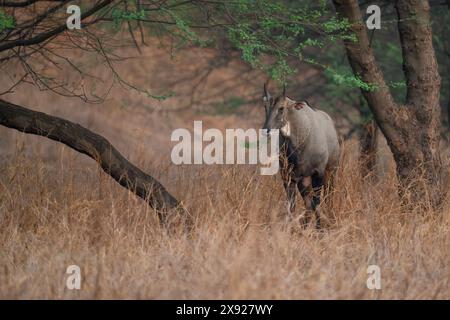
57,209
66,212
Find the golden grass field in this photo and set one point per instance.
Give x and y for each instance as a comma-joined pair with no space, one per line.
58,209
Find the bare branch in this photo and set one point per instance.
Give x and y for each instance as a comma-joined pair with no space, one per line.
18,4
96,147
49,34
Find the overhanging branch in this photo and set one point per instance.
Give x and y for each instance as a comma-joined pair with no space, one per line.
6,45
363,63
23,3
93,145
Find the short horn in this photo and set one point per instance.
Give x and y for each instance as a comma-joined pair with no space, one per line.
284,90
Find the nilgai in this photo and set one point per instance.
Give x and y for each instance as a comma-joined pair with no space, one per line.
309,149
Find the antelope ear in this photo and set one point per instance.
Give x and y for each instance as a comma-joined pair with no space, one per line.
289,103
300,105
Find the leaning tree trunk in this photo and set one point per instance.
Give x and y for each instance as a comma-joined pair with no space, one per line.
448,115
369,141
411,130
96,147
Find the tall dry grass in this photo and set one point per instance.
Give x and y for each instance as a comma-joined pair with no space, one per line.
57,209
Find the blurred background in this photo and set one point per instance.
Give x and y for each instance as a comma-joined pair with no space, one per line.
136,71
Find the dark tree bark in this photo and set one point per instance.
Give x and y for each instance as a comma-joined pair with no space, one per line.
412,130
369,140
448,114
94,146
35,28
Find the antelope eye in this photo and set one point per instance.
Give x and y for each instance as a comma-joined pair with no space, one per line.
281,109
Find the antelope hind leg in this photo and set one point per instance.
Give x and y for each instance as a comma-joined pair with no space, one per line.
317,184
304,186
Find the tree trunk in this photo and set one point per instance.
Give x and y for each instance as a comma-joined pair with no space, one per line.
369,140
94,146
411,130
448,115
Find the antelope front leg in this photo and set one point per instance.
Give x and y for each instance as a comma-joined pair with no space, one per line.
304,186
317,183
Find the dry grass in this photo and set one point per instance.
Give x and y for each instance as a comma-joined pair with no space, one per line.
57,210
